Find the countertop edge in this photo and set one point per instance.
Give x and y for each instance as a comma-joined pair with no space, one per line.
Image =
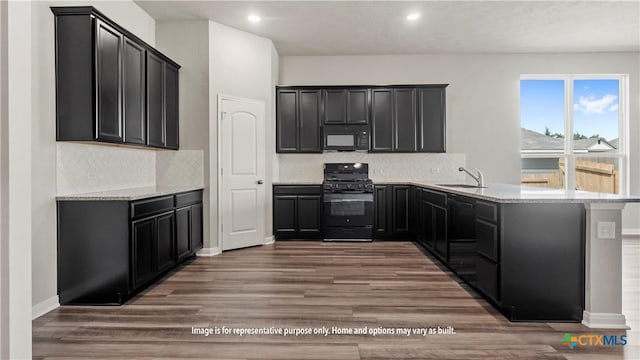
120,195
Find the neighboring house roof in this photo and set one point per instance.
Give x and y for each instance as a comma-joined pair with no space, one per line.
534,141
615,143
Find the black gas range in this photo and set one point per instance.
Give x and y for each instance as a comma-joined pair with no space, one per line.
348,202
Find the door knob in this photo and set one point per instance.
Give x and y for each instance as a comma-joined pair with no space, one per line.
260,182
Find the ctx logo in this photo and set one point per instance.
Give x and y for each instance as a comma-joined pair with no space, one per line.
594,340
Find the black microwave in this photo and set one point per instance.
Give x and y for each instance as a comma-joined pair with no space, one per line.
346,137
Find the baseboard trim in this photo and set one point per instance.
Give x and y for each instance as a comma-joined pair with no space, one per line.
269,240
44,307
631,234
604,320
209,251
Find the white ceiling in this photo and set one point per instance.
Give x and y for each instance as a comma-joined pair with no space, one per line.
380,27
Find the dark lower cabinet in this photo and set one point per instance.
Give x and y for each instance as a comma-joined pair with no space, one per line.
297,211
143,251
110,250
110,85
188,230
527,259
391,211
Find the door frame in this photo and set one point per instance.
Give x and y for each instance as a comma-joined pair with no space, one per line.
221,98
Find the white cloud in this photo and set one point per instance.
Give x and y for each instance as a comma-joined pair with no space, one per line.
592,105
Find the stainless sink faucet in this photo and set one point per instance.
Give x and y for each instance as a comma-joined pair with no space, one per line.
478,178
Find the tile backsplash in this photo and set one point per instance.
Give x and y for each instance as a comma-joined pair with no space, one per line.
85,168
180,168
382,167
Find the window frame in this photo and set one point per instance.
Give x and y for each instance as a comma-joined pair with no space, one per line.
621,153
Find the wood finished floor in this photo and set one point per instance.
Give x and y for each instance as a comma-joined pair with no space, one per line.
311,285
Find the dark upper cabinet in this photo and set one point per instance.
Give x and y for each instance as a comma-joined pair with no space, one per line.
335,106
287,121
431,119
298,118
297,211
155,101
393,120
346,106
171,106
133,93
382,120
309,121
108,77
404,120
105,79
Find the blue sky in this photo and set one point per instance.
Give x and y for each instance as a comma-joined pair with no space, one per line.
594,104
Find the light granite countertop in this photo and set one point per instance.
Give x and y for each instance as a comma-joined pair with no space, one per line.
504,193
128,194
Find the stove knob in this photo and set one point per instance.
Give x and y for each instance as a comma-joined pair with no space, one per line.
359,186
348,186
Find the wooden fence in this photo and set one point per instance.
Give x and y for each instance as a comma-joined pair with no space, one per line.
590,176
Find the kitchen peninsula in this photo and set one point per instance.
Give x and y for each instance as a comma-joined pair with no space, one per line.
536,254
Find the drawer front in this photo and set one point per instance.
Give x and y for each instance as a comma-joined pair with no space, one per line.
487,239
488,282
487,211
435,198
297,189
188,198
151,206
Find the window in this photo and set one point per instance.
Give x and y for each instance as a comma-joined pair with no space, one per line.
591,109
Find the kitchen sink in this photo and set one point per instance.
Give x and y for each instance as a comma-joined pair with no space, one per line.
462,186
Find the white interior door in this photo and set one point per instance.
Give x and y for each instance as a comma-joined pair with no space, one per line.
242,160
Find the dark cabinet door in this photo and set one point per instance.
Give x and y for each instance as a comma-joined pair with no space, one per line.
440,231
287,121
404,109
308,214
165,239
401,210
108,80
431,124
143,251
196,227
382,120
382,211
171,107
426,216
309,121
155,101
358,106
133,93
335,106
284,215
183,233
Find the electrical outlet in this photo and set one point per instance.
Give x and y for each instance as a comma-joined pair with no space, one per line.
435,170
606,230
91,175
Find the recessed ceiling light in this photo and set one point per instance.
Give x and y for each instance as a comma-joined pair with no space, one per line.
413,16
253,18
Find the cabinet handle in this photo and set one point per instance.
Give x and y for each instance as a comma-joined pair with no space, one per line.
259,182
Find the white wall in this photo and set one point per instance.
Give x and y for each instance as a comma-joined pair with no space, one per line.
18,161
187,43
43,136
4,191
483,119
240,64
